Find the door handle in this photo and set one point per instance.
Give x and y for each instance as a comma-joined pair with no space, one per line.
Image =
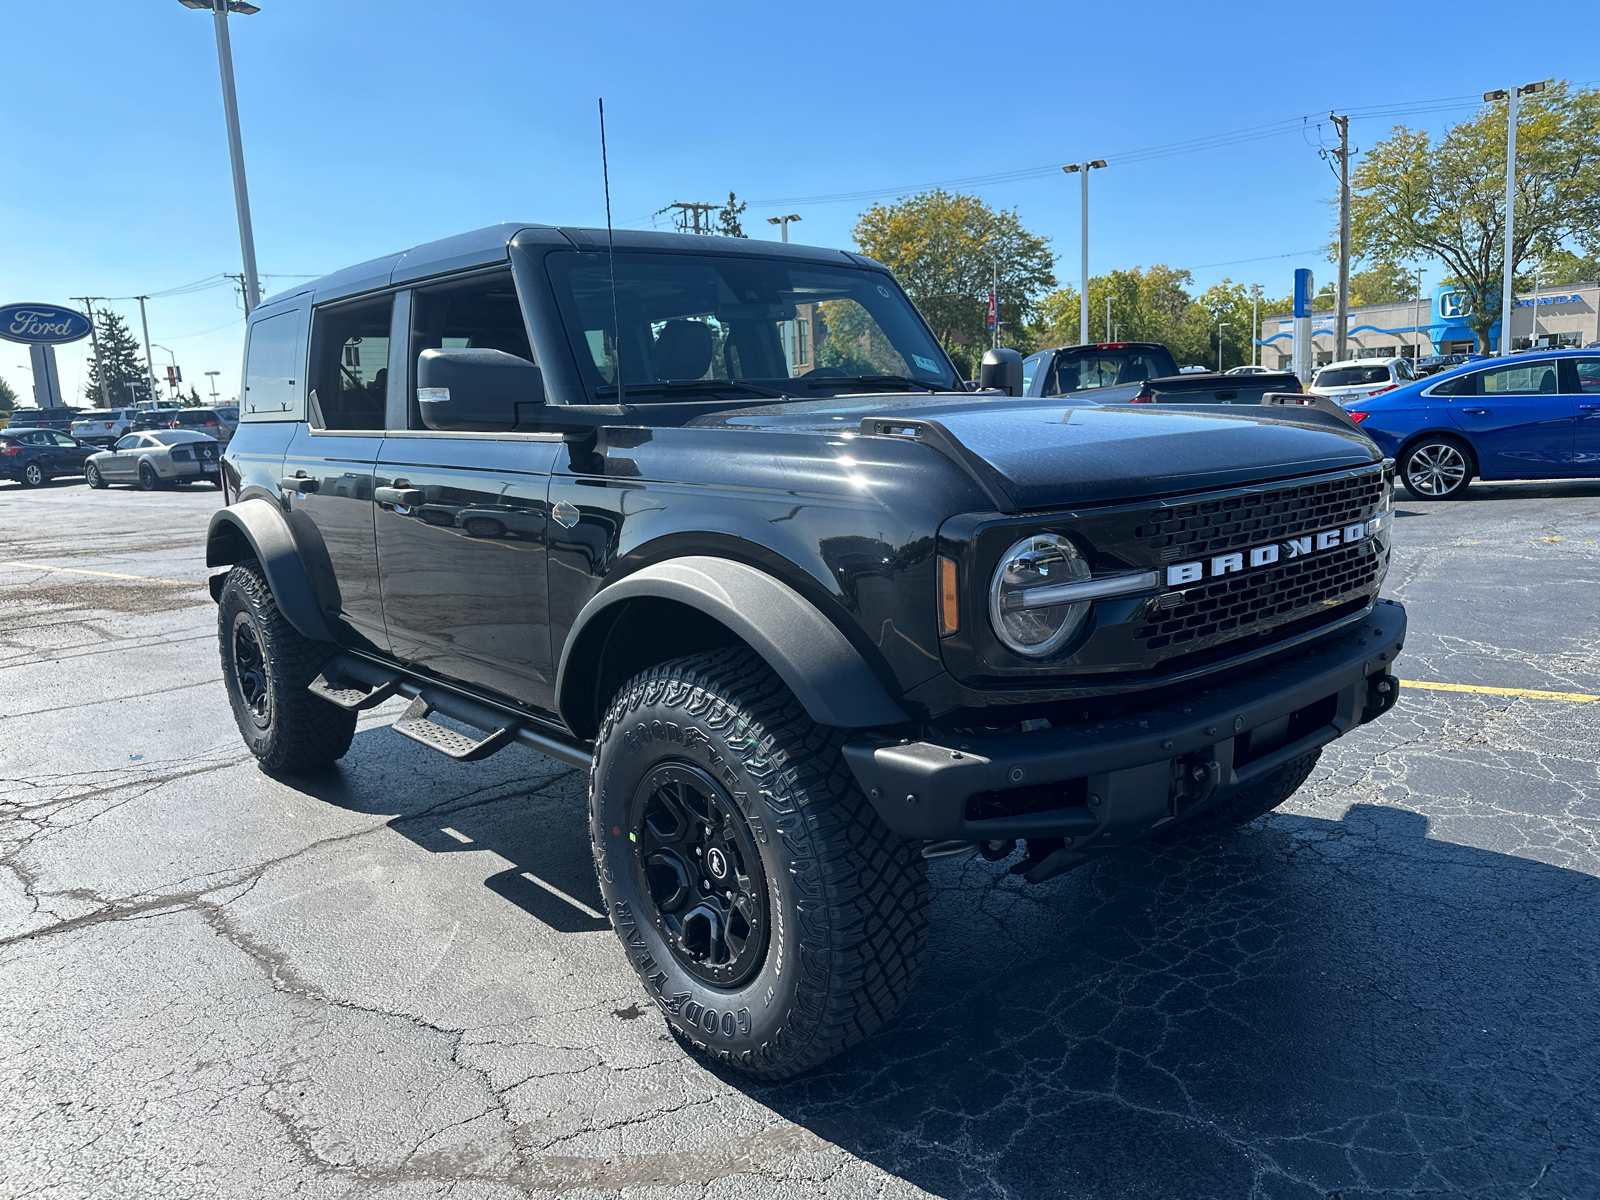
1476,412
1589,408
399,497
297,483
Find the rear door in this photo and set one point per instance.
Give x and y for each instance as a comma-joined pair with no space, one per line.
461,517
1583,384
1518,418
327,466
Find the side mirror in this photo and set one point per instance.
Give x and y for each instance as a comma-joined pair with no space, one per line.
478,390
1001,369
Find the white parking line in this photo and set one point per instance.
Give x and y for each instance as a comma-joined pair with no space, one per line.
106,574
457,834
572,900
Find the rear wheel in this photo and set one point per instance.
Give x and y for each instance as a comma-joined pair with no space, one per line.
1252,801
32,475
1437,468
149,481
92,474
771,915
266,664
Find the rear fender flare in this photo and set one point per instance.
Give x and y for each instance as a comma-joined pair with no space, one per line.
257,529
807,651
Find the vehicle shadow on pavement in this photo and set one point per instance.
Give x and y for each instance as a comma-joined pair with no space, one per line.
1304,1008
527,809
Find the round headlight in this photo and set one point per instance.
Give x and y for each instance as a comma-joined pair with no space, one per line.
1019,605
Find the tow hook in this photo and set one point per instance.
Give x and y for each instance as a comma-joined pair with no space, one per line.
1200,778
1383,691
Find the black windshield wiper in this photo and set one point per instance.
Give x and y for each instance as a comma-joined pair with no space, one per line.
895,381
693,386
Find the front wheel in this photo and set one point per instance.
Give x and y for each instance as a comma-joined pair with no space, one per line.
771,915
266,665
92,474
1437,468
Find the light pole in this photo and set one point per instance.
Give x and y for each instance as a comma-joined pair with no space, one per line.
230,104
1512,96
784,221
213,376
1221,325
1083,169
1255,322
176,377
1416,354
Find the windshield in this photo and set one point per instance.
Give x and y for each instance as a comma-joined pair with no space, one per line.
1351,376
1082,369
690,322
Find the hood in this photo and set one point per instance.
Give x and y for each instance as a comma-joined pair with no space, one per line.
1044,454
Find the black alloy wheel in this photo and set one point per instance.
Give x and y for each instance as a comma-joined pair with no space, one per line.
32,475
250,670
92,474
1437,468
149,481
698,864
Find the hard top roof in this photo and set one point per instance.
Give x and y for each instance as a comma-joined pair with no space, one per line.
487,246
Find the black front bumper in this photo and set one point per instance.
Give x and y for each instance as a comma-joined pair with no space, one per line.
1103,785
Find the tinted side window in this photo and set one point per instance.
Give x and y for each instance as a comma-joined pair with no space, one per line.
270,368
1588,375
350,365
480,312
129,442
1030,367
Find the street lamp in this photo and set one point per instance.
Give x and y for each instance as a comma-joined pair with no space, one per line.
230,105
1083,169
213,375
1530,89
1221,325
784,221
175,376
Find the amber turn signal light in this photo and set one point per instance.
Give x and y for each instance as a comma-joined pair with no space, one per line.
949,598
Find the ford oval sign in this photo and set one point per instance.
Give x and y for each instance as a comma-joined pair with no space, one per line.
42,324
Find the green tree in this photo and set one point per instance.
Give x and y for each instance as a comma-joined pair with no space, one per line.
944,248
1147,305
127,378
1562,267
728,218
1383,283
1445,200
8,395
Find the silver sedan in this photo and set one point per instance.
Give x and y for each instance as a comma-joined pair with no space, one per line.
157,458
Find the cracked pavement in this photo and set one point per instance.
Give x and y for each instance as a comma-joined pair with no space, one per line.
219,984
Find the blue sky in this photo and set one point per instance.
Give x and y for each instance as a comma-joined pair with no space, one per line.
369,127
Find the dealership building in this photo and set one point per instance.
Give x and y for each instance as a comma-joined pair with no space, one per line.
1552,316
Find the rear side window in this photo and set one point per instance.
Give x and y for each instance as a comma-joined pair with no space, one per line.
350,365
270,364
1090,368
1533,379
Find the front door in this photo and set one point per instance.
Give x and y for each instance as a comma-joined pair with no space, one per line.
1583,382
120,464
461,519
1518,417
334,453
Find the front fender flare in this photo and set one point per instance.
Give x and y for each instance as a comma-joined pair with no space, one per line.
809,653
257,529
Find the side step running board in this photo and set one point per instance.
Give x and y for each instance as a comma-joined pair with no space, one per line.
354,684
499,730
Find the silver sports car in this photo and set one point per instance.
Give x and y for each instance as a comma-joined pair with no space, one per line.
157,458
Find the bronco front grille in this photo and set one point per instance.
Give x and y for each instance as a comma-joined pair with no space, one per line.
1190,530
1240,603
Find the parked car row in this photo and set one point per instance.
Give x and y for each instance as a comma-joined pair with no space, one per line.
32,456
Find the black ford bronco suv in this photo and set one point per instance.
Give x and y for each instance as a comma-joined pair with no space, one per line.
718,522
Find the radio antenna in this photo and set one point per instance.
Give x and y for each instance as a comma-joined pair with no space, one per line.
611,253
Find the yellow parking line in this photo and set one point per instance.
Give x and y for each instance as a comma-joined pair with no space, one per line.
105,574
1526,693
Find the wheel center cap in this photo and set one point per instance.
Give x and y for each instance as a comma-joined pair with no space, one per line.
717,861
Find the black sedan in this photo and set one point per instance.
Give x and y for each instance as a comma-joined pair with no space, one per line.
31,456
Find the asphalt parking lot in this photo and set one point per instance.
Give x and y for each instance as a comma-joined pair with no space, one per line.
391,980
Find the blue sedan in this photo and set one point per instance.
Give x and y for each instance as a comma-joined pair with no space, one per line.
1527,416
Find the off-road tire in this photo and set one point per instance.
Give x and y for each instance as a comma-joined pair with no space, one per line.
33,475
301,731
1252,801
846,899
1444,466
149,481
93,478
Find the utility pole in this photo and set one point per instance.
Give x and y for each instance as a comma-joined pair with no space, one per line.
149,366
1083,169
94,339
1513,95
994,299
230,110
1341,319
695,217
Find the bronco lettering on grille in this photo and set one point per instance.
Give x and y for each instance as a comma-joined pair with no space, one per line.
1216,567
